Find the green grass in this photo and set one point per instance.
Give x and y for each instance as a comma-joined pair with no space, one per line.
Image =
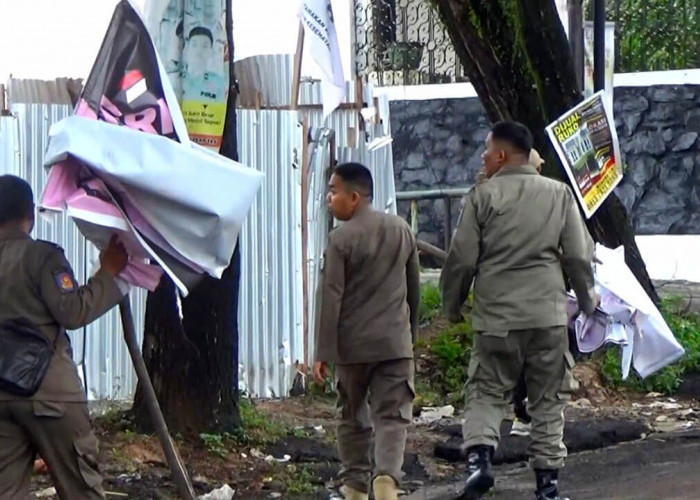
430,303
686,328
450,351
300,480
256,427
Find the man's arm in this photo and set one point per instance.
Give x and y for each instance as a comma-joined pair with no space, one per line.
413,287
460,267
332,287
577,256
74,306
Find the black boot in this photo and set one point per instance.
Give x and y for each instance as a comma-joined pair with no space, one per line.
480,479
547,480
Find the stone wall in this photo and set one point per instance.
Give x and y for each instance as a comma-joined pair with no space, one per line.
438,144
658,132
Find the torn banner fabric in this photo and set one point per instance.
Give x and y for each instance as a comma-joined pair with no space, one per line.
626,317
124,164
183,200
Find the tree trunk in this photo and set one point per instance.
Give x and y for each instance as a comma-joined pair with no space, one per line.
517,57
194,363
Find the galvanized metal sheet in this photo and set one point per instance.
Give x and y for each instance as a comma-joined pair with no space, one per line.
23,139
271,307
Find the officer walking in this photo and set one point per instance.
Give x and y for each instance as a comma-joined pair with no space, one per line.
368,322
517,230
37,285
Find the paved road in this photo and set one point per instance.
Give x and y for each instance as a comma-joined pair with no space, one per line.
661,467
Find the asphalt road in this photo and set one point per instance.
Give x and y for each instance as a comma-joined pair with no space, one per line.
660,467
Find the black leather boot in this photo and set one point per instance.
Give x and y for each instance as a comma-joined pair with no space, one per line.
547,480
480,479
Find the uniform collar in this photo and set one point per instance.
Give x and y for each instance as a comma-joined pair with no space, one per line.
525,169
12,232
363,210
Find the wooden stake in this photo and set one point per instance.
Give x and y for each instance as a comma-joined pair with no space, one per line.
298,56
177,469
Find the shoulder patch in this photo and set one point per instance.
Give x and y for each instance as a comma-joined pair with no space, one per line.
64,281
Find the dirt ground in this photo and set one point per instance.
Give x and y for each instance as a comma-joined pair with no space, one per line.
303,463
292,455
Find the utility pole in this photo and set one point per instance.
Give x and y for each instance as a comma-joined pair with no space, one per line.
598,45
575,14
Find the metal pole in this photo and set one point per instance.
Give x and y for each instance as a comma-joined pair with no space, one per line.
575,10
432,250
414,216
177,469
447,225
598,45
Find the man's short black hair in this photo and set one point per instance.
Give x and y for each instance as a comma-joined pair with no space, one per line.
202,31
16,199
356,176
514,133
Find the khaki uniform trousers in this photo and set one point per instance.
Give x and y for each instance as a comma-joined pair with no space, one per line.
373,397
61,434
497,361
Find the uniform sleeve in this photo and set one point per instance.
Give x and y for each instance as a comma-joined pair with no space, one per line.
74,306
332,287
577,257
460,267
413,287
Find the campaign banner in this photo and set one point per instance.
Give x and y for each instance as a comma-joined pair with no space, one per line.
125,165
319,25
190,37
586,141
127,85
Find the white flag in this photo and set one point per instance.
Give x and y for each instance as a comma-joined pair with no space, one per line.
319,27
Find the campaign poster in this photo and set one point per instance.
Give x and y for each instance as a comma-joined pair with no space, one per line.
190,37
586,141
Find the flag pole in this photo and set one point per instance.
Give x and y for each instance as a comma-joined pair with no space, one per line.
296,81
177,468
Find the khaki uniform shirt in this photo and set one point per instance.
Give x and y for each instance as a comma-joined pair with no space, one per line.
516,232
370,291
37,284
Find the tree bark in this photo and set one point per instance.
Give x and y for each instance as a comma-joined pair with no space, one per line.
193,363
517,57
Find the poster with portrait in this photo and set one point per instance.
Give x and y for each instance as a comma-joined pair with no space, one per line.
586,142
190,36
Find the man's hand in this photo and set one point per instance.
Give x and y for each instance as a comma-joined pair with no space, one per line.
320,372
40,467
113,259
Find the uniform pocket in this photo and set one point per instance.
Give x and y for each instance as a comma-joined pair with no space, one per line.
569,384
49,409
499,334
406,406
472,367
86,450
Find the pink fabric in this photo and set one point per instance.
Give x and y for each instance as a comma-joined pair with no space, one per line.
62,191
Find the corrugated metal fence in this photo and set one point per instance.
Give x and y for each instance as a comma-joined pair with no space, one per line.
23,139
271,308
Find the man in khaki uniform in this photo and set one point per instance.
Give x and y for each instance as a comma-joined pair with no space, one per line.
368,322
37,284
516,232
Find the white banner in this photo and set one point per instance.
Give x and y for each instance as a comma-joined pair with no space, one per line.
317,19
